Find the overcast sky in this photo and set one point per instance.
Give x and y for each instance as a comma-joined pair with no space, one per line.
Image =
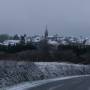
65,17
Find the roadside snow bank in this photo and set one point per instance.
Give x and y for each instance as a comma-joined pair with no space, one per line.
55,69
14,72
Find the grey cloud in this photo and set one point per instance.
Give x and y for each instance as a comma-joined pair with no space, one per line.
69,17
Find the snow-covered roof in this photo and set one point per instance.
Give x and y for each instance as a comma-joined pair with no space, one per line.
88,42
36,39
53,42
64,42
7,42
14,41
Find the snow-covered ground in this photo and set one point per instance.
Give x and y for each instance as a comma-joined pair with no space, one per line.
14,72
55,69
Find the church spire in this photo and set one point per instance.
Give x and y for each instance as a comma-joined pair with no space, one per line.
46,32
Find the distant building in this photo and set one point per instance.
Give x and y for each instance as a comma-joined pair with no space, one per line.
11,42
36,38
54,43
28,39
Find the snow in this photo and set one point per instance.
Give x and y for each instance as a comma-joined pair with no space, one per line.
12,42
55,69
15,72
36,38
53,42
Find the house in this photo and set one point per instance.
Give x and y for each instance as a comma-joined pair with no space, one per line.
11,42
54,43
36,38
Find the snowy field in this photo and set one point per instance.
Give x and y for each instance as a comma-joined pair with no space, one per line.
15,72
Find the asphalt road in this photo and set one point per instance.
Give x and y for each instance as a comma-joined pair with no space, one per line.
77,83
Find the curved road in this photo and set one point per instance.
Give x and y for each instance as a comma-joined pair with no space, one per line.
79,83
66,83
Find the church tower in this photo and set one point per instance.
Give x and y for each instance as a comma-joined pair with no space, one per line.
46,33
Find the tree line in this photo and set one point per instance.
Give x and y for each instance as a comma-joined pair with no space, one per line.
4,37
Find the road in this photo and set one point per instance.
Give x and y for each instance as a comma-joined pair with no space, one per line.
67,83
79,83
